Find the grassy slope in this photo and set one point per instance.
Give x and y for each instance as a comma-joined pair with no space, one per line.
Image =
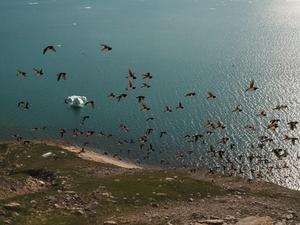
129,191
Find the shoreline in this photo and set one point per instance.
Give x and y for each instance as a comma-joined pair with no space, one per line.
89,153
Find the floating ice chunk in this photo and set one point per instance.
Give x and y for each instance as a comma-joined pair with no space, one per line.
33,3
76,101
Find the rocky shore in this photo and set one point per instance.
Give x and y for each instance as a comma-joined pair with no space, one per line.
68,188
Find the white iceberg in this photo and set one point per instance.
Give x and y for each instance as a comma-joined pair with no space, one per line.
76,101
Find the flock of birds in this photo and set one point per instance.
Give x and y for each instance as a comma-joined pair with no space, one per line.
226,164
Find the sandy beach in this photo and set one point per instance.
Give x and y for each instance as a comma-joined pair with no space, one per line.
89,154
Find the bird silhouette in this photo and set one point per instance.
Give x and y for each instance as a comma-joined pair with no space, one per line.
162,133
38,72
140,98
84,118
24,105
90,103
131,75
49,48
251,86
168,109
111,95
293,125
237,109
144,108
119,97
147,76
61,75
180,106
21,73
145,85
210,95
105,48
190,94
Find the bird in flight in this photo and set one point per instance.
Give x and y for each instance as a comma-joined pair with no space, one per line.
49,48
90,103
262,114
140,98
144,108
130,86
147,76
162,134
131,75
105,48
251,86
61,75
190,94
293,125
84,119
280,107
38,72
237,109
145,85
24,105
168,109
21,73
119,97
210,95
180,106
111,95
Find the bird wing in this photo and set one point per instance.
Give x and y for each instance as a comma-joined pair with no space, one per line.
251,84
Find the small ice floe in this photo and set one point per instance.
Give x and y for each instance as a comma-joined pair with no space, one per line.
76,101
33,3
87,7
48,154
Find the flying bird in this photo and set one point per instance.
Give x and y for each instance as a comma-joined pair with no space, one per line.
147,76
293,125
168,109
130,86
131,75
190,94
21,73
251,86
262,114
180,106
90,103
84,119
111,95
210,95
61,75
105,48
49,48
162,133
144,108
145,85
237,109
140,99
38,72
121,96
24,105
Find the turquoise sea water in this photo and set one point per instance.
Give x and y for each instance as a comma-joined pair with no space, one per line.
190,45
